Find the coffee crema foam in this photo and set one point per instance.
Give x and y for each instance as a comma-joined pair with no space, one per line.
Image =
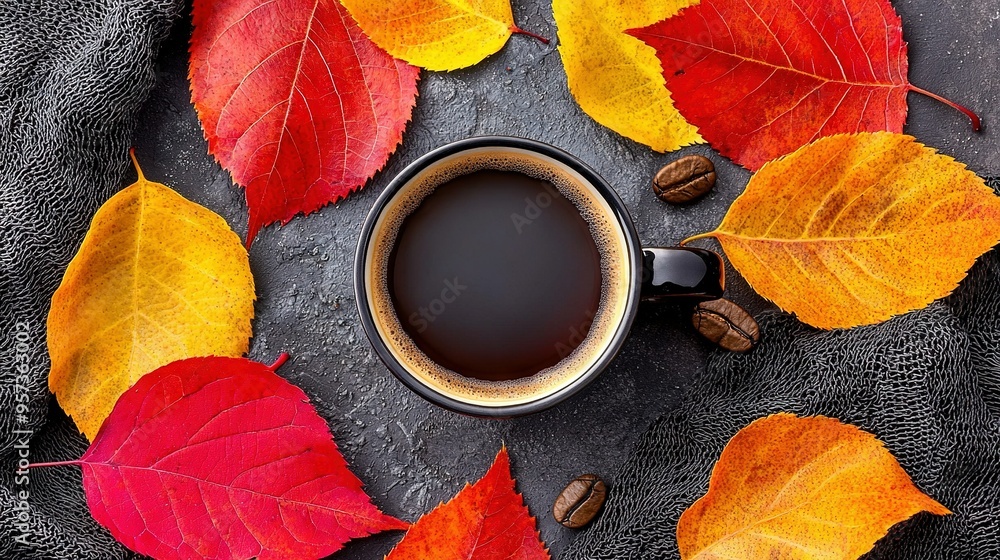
615,276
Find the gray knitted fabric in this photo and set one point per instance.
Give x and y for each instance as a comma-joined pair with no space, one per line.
73,75
927,383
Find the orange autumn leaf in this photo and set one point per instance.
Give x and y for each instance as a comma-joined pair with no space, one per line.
854,229
486,520
799,489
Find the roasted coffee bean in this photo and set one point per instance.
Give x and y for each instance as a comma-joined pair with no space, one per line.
580,501
684,180
726,324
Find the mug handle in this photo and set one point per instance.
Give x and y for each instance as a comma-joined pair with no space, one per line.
681,273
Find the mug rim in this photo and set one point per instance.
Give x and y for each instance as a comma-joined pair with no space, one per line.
579,382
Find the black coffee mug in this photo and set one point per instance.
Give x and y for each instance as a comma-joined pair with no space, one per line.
650,274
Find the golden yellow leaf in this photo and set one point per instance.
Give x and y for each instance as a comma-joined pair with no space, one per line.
157,278
854,229
436,34
616,78
799,489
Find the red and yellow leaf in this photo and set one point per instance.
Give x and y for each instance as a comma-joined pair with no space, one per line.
614,77
222,458
799,489
295,101
485,521
761,78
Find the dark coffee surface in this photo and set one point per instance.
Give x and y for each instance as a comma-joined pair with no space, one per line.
496,275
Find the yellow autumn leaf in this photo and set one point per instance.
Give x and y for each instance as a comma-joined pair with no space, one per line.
158,278
799,489
854,229
436,34
616,78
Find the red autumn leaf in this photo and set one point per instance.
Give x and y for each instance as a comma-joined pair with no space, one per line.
762,78
485,521
221,458
296,102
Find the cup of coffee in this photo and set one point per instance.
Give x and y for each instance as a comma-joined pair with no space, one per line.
498,276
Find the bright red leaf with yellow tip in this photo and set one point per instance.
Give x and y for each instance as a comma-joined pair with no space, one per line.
486,520
222,458
762,78
295,101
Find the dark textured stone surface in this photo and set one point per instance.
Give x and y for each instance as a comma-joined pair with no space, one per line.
412,455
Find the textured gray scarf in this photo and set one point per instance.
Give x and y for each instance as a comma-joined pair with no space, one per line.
73,76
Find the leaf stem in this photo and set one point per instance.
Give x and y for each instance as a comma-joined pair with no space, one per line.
518,30
135,162
696,237
977,124
55,464
280,361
